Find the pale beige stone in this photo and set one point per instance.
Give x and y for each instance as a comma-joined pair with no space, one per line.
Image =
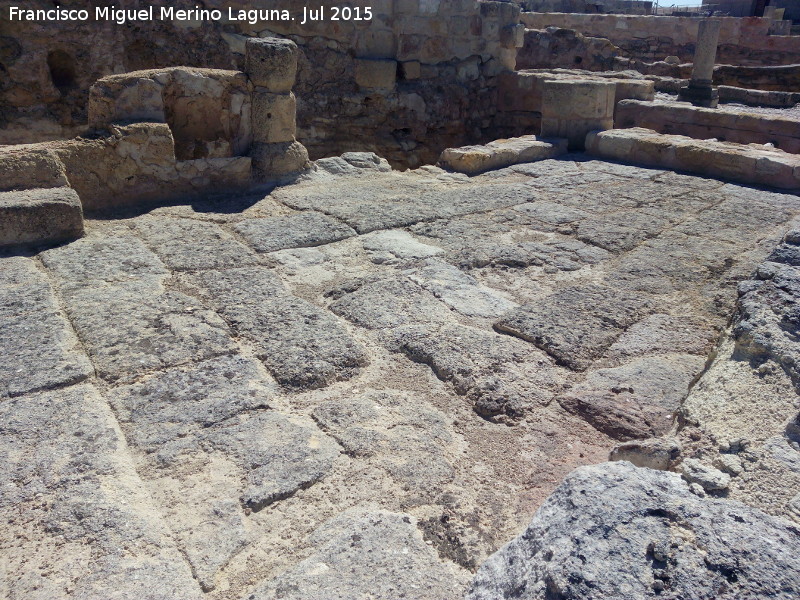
271,63
273,117
376,73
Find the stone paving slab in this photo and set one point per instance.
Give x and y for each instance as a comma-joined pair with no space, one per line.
131,328
300,230
40,349
300,344
78,521
185,244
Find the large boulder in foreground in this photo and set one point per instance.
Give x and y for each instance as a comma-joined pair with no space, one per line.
615,531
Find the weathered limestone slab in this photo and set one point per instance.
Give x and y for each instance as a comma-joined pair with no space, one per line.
500,153
301,230
501,377
678,118
130,328
285,329
42,352
390,303
213,450
460,291
97,259
737,162
71,492
573,108
179,416
388,429
188,244
30,167
40,216
576,340
271,63
616,531
371,206
360,554
637,399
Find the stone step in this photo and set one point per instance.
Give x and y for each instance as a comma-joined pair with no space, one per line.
500,153
40,216
680,118
751,164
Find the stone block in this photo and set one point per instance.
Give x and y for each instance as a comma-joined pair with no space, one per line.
123,98
376,74
410,70
737,162
272,161
376,44
512,36
573,108
273,117
500,153
39,216
25,167
271,63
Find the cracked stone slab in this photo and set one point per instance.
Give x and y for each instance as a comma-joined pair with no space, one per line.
362,554
637,399
390,303
41,352
576,325
77,521
118,257
188,244
386,207
131,328
460,291
397,244
212,447
662,333
303,346
616,531
390,429
301,230
501,376
170,406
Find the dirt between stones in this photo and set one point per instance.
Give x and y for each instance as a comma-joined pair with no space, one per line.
378,397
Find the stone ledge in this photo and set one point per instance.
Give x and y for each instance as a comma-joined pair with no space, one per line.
500,153
40,216
737,162
680,118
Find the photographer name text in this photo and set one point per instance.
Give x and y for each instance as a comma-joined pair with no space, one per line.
121,16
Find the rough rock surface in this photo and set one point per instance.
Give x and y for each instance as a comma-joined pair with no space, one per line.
615,531
374,343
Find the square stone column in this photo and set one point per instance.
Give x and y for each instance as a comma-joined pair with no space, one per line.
571,108
271,65
700,92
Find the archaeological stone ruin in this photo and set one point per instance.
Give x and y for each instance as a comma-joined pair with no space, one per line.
422,299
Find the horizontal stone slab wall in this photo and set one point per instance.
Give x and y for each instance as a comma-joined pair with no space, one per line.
705,123
742,41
